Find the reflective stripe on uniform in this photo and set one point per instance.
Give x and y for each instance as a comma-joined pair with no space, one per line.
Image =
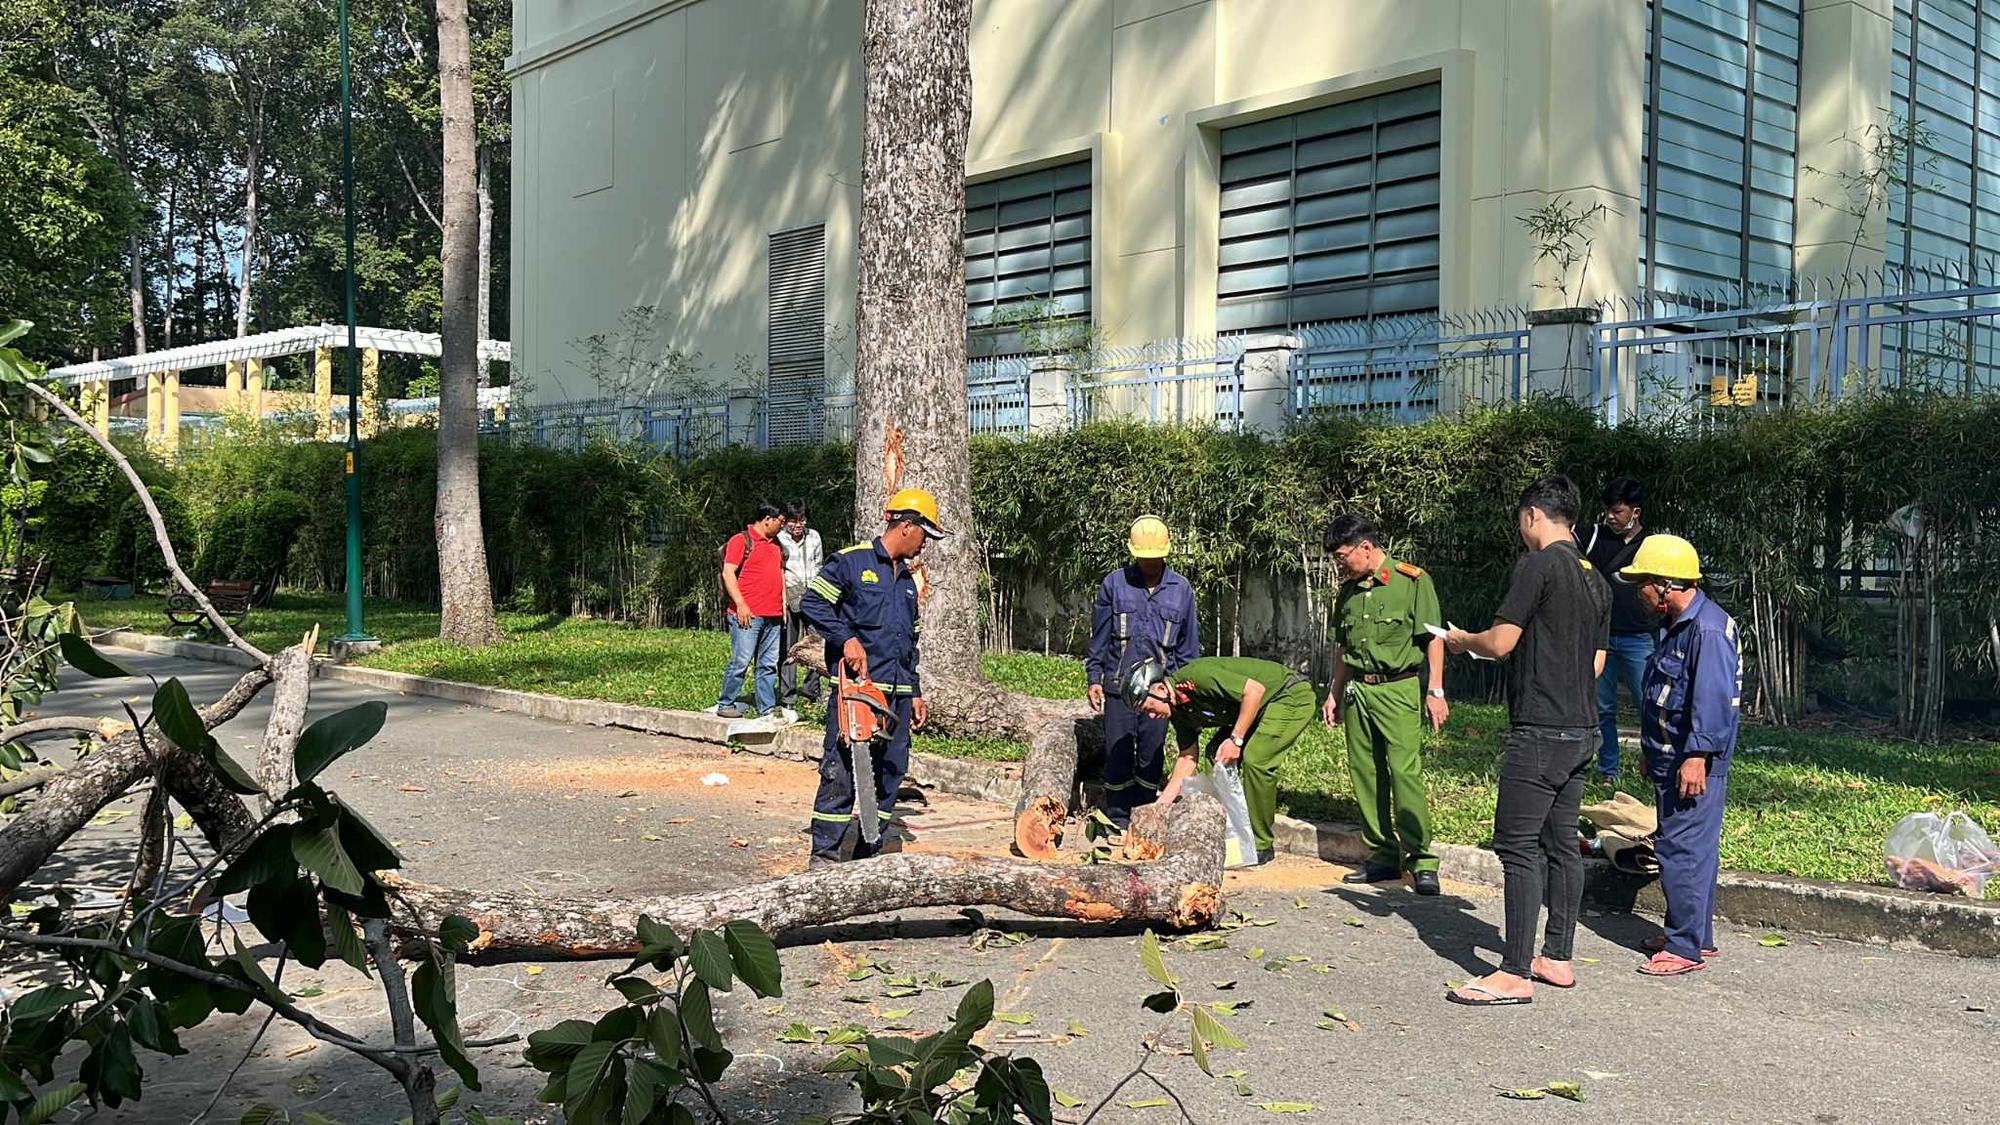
825,590
1665,691
832,818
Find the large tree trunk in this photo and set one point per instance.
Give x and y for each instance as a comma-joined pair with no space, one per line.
253,164
485,255
172,271
135,287
66,804
467,593
1179,886
910,392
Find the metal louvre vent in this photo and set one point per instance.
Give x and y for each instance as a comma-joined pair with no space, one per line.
797,342
1027,241
1721,148
1331,214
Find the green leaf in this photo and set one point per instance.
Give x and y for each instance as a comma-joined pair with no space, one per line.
796,1033
755,958
1285,1107
975,1010
370,849
709,956
1151,957
347,943
1256,953
1067,1101
711,1062
78,654
263,1113
53,1102
1243,1090
44,1002
637,990
849,1061
1199,1047
842,1036
550,1049
177,718
117,1069
1015,1017
1208,1027
678,1114
322,743
1148,1103
457,931
430,995
254,971
14,329
587,1074
269,856
644,1083
1773,941
316,845
698,1015
663,1031
1570,1090
1077,1029
1201,942
1533,1094
887,1051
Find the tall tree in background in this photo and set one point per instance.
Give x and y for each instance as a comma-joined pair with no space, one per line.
467,593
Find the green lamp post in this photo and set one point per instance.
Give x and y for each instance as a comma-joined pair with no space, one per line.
357,632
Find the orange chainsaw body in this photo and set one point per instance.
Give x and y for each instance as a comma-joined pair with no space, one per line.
864,711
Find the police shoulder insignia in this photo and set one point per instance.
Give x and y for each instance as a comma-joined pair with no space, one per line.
856,547
869,578
1586,564
1409,570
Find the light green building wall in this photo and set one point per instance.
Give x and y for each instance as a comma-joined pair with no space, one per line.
658,143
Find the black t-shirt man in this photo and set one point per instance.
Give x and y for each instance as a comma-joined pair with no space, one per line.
1563,609
1608,551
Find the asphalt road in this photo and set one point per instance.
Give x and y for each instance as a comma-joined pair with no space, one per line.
1803,1032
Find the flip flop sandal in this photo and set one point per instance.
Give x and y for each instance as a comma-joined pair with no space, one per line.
1496,999
1670,965
1540,979
1659,945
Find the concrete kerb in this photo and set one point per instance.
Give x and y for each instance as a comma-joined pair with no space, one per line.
1845,911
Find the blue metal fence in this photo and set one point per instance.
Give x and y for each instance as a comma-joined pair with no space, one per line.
1176,382
1406,367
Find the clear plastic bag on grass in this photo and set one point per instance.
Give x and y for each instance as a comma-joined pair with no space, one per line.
1949,854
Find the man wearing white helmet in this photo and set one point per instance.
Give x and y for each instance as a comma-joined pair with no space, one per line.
1144,610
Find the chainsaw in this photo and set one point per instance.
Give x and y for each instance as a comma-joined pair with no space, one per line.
865,718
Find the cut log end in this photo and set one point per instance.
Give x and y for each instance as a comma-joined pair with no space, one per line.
1038,830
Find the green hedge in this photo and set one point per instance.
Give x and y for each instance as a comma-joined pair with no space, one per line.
1774,495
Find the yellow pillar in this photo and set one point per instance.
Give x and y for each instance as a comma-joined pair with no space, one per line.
371,391
170,412
322,393
153,406
253,389
97,404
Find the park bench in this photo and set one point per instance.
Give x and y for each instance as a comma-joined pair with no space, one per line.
232,599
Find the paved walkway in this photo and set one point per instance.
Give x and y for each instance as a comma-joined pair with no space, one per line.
1806,1032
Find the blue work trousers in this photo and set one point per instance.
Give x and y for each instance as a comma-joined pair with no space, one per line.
1689,847
1133,748
1624,663
833,806
753,644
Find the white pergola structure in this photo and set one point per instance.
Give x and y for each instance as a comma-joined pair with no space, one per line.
243,362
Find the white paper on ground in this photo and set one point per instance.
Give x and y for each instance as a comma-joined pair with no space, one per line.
716,779
1448,627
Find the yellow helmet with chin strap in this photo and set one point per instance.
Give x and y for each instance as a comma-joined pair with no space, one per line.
916,502
1149,538
1663,556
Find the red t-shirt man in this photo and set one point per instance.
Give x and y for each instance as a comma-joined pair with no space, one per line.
760,573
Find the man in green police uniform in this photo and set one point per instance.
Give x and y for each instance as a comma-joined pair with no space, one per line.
1382,639
1260,707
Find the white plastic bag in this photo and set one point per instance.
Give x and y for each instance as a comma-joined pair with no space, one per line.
1225,784
1949,854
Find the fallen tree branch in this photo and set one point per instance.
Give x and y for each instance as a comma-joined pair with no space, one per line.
67,803
1180,888
60,724
153,516
291,686
33,779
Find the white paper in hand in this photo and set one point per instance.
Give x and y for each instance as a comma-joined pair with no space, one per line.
1448,627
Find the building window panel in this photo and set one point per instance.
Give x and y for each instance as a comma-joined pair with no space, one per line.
1027,250
1721,142
1330,213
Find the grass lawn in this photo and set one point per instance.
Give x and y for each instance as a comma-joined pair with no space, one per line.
1809,803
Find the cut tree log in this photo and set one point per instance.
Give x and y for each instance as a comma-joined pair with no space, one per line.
68,802
291,686
1179,888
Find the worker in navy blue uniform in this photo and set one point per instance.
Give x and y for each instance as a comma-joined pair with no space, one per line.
1144,609
864,602
1688,722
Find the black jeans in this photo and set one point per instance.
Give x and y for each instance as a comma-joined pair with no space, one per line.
1534,832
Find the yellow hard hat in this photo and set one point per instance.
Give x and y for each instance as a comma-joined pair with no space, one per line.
1663,556
921,504
1149,538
